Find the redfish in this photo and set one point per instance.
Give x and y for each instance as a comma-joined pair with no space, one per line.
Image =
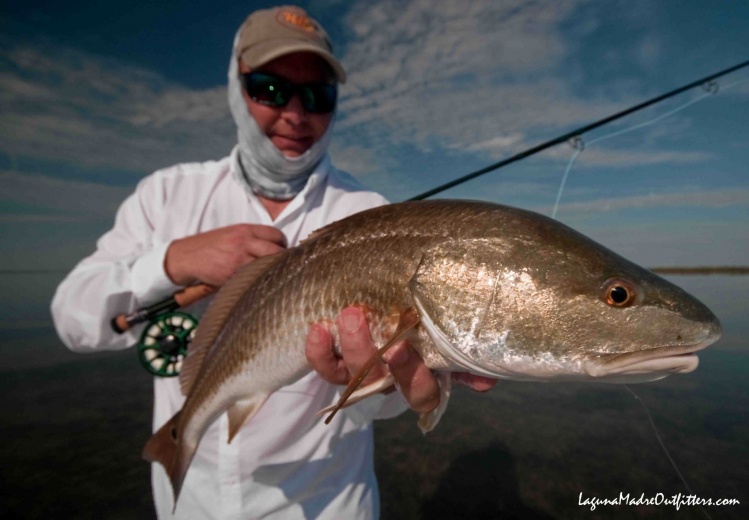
475,287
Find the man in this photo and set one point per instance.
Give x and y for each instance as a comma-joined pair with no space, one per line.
198,223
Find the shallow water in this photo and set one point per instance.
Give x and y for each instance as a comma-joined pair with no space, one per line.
533,450
74,425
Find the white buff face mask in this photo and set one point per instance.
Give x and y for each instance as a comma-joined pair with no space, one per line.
265,169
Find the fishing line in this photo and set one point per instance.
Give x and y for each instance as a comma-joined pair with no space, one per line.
663,445
711,88
579,145
576,133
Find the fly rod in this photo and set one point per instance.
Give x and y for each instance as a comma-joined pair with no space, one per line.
164,341
163,344
181,298
575,133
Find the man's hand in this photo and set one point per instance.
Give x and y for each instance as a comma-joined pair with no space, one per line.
415,381
213,256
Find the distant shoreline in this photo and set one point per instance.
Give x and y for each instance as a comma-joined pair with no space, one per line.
728,269
736,270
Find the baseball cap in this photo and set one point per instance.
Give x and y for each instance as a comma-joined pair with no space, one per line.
271,33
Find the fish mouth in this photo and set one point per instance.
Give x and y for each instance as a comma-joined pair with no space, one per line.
645,365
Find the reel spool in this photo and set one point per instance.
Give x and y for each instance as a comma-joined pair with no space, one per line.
163,343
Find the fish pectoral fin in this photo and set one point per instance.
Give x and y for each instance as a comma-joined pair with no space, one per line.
408,320
428,421
362,393
442,343
242,411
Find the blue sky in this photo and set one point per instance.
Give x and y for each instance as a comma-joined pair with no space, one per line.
95,95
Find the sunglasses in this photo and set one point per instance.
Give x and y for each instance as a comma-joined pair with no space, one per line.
273,91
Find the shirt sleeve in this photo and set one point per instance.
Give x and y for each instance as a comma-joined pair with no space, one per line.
125,272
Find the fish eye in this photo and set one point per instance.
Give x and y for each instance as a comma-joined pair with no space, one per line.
618,293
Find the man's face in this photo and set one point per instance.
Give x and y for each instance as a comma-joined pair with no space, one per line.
291,128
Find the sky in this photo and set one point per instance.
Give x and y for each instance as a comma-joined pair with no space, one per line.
94,96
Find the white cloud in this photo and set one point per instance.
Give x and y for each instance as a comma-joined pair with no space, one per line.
354,157
482,77
65,105
499,144
398,45
403,50
490,79
599,157
735,85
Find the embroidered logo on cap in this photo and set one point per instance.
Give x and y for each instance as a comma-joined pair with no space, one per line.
296,20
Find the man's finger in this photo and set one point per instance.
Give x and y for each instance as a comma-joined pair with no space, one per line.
476,383
322,359
356,343
269,233
258,248
415,381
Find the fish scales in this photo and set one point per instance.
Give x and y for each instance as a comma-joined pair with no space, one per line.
500,292
378,282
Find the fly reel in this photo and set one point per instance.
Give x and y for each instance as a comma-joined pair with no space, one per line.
163,343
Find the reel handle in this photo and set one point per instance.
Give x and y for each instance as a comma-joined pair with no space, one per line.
181,298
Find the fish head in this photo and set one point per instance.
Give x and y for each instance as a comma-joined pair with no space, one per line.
547,303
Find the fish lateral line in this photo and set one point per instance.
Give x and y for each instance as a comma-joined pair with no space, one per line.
409,319
435,283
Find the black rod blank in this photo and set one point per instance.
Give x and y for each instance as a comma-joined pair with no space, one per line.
575,133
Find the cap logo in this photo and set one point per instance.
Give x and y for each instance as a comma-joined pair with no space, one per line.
296,20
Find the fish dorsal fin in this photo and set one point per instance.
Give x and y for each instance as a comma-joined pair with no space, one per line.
218,312
323,231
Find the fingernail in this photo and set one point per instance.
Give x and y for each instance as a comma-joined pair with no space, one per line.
351,321
314,334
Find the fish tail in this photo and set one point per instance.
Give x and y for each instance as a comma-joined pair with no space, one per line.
166,447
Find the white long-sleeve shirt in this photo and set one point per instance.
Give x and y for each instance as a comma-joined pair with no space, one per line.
285,463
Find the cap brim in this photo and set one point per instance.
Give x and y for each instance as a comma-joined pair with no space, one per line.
259,55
